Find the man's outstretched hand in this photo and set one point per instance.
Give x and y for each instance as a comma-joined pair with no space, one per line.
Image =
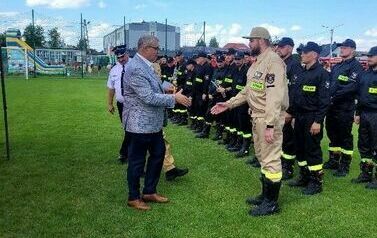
219,108
182,99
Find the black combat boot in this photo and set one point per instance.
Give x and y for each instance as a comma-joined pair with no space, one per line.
199,126
344,166
219,132
366,173
237,146
315,183
174,173
373,183
333,162
245,149
183,121
174,118
192,126
225,139
258,199
178,118
270,205
205,132
232,141
254,162
287,167
303,178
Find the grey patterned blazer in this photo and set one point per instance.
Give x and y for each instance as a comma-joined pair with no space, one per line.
144,98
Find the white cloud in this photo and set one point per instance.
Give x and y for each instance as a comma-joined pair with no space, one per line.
274,30
365,44
96,33
58,3
99,30
191,33
102,4
140,6
235,29
371,32
8,14
295,28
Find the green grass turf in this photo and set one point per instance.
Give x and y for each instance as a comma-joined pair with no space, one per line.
63,179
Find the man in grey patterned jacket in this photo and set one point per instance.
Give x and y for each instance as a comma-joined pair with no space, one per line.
143,118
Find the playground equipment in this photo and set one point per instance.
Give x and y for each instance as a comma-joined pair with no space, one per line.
19,57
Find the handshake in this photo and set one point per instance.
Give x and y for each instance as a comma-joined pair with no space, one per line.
178,96
182,99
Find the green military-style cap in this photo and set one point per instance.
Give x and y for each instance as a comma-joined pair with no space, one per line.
259,32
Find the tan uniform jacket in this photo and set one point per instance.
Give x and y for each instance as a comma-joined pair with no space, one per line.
266,90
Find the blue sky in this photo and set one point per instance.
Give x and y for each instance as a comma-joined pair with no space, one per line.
227,20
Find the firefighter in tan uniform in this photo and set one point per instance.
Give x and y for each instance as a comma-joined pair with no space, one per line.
266,92
171,171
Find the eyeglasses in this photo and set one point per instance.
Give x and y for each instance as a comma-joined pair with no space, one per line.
154,47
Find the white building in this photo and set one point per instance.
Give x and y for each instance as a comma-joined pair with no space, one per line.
134,31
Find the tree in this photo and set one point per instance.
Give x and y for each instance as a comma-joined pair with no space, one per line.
54,38
213,43
2,39
36,34
201,43
83,44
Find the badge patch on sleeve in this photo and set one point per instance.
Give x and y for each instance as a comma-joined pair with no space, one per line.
354,75
270,78
257,75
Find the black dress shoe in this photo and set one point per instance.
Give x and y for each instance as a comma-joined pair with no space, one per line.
122,159
174,173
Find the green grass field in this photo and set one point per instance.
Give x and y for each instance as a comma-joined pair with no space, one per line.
63,179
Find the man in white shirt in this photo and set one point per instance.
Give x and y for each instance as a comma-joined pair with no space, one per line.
115,88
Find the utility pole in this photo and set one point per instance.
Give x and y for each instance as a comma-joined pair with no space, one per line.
204,32
5,108
81,49
166,36
332,29
35,64
86,36
331,41
124,30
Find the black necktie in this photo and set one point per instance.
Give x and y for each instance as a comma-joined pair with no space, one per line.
121,81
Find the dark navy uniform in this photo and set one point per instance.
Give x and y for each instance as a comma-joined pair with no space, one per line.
229,126
294,69
339,119
311,100
367,110
213,98
188,86
167,73
241,118
200,87
179,81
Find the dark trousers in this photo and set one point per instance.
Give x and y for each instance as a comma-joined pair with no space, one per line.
138,146
209,117
308,146
219,119
232,119
123,148
243,123
339,130
199,106
368,136
289,146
